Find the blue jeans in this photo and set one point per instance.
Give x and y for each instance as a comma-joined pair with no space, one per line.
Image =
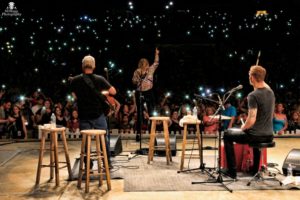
98,123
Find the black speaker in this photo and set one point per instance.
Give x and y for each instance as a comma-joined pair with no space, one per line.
160,141
115,145
292,158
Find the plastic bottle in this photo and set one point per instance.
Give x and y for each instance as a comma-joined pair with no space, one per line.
53,121
290,170
195,112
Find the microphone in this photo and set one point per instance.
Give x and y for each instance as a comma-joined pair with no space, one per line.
236,88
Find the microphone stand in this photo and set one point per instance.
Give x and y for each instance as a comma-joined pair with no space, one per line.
202,164
219,178
140,151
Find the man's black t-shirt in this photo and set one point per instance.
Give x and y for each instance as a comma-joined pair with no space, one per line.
263,100
89,105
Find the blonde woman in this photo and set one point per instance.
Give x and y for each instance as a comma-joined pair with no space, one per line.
143,80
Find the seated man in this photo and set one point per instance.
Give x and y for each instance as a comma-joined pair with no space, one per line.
258,127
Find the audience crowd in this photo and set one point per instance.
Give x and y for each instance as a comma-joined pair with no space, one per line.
21,117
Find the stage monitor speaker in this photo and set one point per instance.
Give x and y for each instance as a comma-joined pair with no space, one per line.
160,141
292,158
115,145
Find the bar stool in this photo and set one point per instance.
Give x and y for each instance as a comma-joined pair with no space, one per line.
54,161
186,123
167,147
86,146
264,168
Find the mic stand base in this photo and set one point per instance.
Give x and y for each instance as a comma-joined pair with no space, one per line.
202,168
218,179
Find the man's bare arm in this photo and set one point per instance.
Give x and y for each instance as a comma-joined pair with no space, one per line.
250,119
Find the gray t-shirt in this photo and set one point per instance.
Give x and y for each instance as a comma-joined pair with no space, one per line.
264,100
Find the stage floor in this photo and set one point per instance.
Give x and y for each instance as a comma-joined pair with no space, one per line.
18,164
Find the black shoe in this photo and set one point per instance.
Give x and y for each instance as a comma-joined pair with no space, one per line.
229,173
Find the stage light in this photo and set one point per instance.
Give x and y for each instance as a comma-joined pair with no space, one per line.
39,90
292,80
261,13
3,86
201,88
186,96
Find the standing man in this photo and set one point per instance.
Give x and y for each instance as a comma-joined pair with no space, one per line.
90,107
143,79
258,127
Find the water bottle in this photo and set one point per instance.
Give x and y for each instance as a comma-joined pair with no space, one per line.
290,170
195,113
53,121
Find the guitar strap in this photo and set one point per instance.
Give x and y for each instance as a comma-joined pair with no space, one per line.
91,84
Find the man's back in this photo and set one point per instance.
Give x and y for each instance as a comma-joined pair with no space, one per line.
263,100
89,105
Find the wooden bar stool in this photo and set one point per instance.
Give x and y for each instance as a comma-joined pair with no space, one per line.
186,123
167,147
54,161
86,146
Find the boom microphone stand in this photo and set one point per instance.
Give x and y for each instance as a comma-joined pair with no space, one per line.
202,164
219,178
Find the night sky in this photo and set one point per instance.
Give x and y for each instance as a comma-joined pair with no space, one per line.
204,47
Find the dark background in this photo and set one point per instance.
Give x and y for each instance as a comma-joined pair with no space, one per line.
187,61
